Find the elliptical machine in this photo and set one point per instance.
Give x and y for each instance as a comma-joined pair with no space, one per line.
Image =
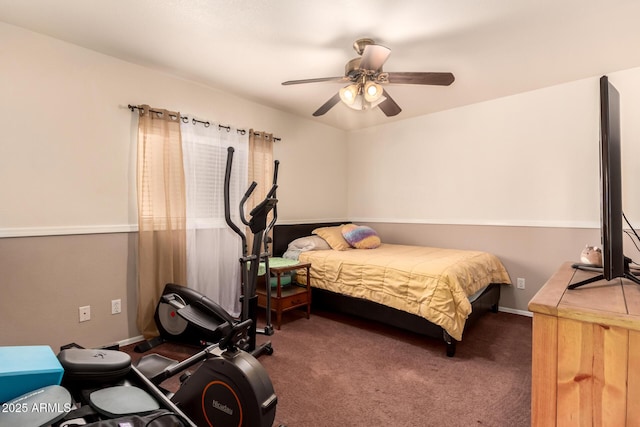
187,316
250,263
230,387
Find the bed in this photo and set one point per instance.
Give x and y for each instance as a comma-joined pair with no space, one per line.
436,292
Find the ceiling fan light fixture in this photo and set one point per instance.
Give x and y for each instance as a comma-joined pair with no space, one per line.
365,77
348,94
372,91
358,103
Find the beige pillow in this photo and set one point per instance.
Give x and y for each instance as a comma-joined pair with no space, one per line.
333,236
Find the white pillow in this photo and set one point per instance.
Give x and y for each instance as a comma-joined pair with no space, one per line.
309,243
292,254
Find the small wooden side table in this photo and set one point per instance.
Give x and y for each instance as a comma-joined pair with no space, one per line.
289,297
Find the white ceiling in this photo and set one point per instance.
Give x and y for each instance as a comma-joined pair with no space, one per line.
494,48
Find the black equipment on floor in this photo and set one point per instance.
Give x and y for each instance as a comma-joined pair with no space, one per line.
99,387
229,388
185,315
250,263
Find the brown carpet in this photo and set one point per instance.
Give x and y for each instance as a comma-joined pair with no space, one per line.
335,370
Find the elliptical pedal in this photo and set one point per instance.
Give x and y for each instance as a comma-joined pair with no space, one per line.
199,318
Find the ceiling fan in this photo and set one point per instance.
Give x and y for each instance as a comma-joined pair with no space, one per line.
365,77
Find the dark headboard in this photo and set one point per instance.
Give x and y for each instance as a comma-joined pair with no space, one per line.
285,234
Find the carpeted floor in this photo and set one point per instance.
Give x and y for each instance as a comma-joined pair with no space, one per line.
335,370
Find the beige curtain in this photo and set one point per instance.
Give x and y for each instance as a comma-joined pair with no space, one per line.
260,171
161,211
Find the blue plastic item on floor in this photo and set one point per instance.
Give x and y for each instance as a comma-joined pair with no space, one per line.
27,368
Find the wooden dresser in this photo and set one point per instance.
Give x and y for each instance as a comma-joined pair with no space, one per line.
586,352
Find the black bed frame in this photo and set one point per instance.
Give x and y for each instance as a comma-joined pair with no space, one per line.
487,301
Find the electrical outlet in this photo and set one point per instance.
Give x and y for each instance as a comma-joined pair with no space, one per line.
520,283
84,313
116,306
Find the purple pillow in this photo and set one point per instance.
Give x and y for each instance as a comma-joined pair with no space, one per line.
360,236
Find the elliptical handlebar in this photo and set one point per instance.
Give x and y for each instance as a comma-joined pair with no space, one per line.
244,199
227,202
258,213
272,193
269,198
247,194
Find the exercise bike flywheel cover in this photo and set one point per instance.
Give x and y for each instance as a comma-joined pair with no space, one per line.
170,321
233,390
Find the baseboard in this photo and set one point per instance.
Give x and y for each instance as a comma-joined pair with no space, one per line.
514,311
131,340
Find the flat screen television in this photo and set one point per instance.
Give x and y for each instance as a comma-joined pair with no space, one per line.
614,263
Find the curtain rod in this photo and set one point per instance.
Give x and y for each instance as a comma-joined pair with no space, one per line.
206,124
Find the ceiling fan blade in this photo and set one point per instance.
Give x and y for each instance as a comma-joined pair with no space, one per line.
389,106
417,78
327,105
341,79
374,56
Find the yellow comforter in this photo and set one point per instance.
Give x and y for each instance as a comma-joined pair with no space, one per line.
432,283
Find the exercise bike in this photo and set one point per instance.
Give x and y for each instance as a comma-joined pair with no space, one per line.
102,388
229,388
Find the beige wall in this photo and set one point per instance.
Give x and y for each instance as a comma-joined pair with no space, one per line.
525,160
508,161
68,147
46,279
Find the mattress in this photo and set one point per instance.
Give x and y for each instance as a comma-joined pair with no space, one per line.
433,283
